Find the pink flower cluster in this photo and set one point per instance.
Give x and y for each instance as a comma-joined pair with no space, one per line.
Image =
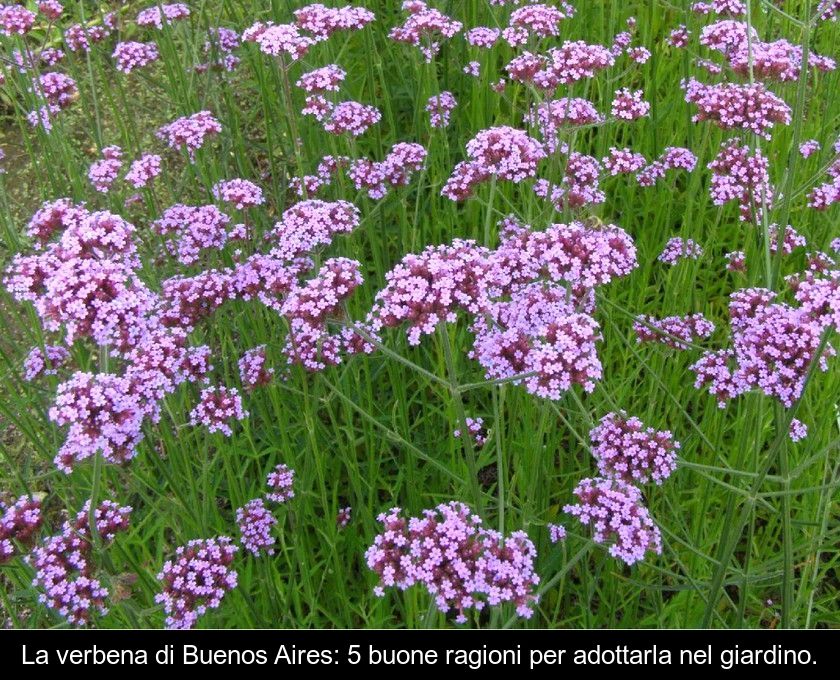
403,160
425,28
616,513
255,523
64,567
556,533
483,37
310,224
540,20
103,173
774,345
629,105
476,431
16,20
626,449
678,249
242,193
731,106
159,15
549,117
190,132
739,175
19,523
195,229
143,170
323,21
44,361
324,79
342,519
217,406
280,482
573,61
459,562
252,368
502,151
133,55
440,106
678,332
196,580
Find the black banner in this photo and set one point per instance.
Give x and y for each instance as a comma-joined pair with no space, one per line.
449,650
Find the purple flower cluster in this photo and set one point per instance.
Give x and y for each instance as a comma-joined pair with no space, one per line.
103,173
278,40
616,513
556,533
190,132
242,193
311,224
732,106
440,106
323,21
194,229
46,361
476,431
324,79
674,331
342,519
16,20
739,175
159,15
255,523
425,28
196,580
143,170
252,368
797,430
19,523
551,116
64,568
404,159
280,482
462,564
564,65
626,449
678,249
132,55
217,406
629,105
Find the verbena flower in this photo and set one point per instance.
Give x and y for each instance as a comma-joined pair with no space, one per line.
255,522
280,482
133,55
677,249
476,430
462,564
242,193
46,361
157,16
440,106
217,406
616,513
19,522
196,580
674,331
253,371
190,132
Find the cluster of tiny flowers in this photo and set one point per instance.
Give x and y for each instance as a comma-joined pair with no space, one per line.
539,334
678,248
425,28
307,309
404,159
828,10
342,519
252,369
573,61
556,533
159,15
103,173
280,482
626,449
143,170
549,117
623,161
729,8
774,346
104,416
309,224
790,242
324,79
323,21
346,117
196,580
739,175
476,430
19,523
196,228
472,68
797,430
639,54
427,289
439,107
503,151
483,37
736,261
190,132
46,361
819,297
217,406
542,21
279,40
255,522
679,37
629,105
809,147
674,331
733,106
132,55
63,563
16,20
242,193
459,562
616,513
219,47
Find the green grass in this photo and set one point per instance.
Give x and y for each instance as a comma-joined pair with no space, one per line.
748,516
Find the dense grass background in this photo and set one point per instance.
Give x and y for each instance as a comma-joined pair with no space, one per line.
749,521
